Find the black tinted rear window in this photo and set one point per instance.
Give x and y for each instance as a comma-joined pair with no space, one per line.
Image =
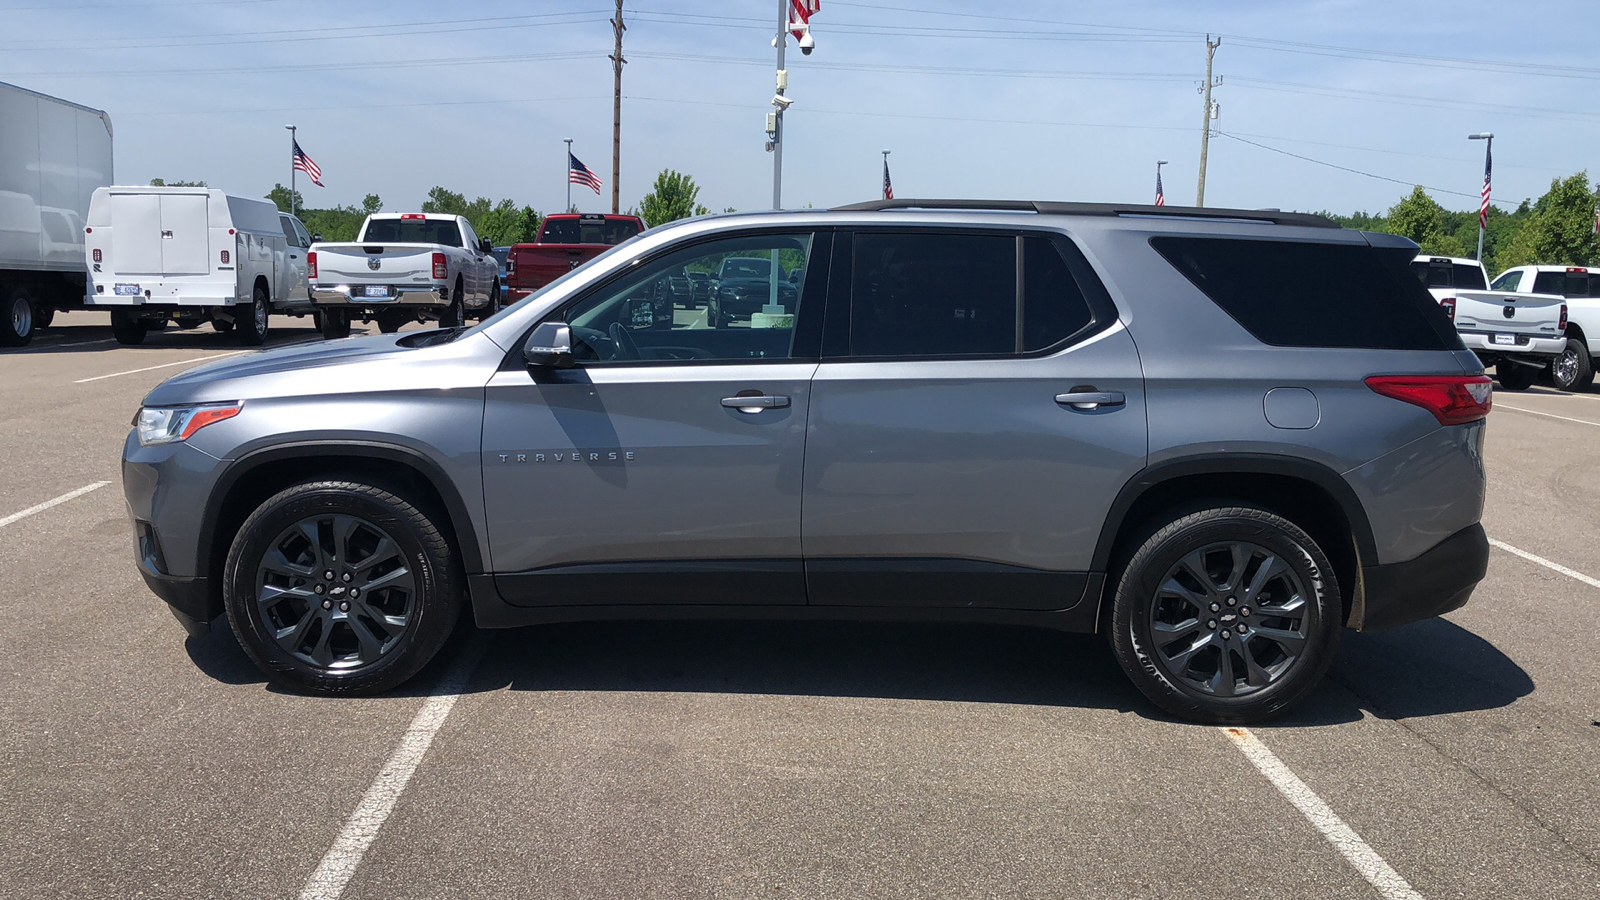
1303,294
1446,274
578,231
414,231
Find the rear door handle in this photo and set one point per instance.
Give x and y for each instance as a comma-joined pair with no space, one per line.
755,403
1091,399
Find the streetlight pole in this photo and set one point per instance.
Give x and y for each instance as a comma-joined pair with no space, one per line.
568,207
777,130
1483,218
292,144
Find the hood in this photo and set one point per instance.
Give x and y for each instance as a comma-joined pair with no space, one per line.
313,367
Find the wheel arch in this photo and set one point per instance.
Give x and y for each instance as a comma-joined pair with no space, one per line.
264,286
1307,493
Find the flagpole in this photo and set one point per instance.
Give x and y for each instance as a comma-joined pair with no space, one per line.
1159,164
292,144
885,168
568,207
1483,214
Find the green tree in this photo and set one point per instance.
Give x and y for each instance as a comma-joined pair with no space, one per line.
1420,218
445,203
280,196
673,197
1559,229
531,219
341,223
503,225
371,203
161,182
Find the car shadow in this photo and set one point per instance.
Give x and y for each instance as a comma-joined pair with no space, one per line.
94,335
220,657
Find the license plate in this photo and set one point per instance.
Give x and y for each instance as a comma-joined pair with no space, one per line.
1505,339
126,290
376,290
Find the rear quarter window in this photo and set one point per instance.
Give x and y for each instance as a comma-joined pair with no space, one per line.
1307,294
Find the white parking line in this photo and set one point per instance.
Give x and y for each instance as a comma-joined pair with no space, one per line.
1534,412
69,495
1356,851
181,362
1554,567
361,829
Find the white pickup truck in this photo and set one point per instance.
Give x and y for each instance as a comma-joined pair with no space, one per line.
404,267
1517,333
1573,370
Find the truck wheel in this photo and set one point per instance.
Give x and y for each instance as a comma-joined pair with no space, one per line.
338,587
1228,615
335,324
1515,377
454,315
222,326
251,319
127,328
1573,370
392,320
43,316
17,319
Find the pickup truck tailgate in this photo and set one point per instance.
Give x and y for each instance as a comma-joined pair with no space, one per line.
1507,313
374,263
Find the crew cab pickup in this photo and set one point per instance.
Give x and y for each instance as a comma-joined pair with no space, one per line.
1517,333
404,267
565,242
1573,370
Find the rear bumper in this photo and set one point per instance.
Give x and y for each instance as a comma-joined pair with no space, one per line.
1483,345
1433,584
344,295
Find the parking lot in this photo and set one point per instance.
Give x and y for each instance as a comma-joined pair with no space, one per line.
1451,758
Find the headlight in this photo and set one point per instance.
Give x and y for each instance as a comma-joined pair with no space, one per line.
166,424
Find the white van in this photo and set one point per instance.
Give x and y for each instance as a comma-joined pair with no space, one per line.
190,255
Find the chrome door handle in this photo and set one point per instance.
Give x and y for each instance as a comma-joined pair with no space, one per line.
1091,399
753,404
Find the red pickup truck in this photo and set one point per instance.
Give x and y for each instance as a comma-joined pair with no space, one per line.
565,242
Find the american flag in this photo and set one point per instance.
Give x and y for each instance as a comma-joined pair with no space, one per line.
578,173
801,12
888,189
1161,198
304,164
1483,210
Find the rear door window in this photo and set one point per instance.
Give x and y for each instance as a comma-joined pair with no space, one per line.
1307,294
1550,283
1507,281
414,231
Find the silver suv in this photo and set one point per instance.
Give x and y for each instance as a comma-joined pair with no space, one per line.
1218,436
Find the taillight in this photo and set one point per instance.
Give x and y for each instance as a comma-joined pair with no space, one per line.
413,216
511,265
97,254
224,257
311,265
1561,325
1449,304
1453,399
440,270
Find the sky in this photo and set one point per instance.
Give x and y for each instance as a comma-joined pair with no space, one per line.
1034,99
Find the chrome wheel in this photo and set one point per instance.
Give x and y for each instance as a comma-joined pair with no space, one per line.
1565,368
335,592
260,312
1229,619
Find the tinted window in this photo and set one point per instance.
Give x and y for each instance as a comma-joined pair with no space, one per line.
1508,281
1550,283
1053,306
581,231
1292,294
657,315
933,295
414,231
1448,274
300,231
1469,278
288,231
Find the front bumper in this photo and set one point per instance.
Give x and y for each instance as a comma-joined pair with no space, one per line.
1527,345
1438,581
344,295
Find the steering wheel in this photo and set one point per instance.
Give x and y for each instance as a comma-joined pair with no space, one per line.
625,347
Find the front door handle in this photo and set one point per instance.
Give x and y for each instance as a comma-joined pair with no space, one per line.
1091,399
750,404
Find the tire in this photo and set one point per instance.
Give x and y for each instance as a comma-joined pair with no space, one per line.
454,315
222,326
1514,377
18,319
187,324
250,319
43,316
341,641
335,324
1167,592
390,321
126,328
1573,370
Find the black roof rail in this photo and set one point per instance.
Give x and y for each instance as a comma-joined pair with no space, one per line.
1050,207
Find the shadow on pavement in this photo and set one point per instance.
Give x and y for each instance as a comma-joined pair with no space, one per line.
97,338
219,656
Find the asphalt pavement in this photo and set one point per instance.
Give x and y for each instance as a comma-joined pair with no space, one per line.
1451,758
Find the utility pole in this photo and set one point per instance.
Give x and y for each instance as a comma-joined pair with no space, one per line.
617,62
292,144
778,101
1205,120
568,167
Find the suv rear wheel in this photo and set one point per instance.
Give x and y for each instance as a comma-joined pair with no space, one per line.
1229,615
339,587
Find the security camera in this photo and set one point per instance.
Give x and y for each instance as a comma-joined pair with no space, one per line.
781,102
807,43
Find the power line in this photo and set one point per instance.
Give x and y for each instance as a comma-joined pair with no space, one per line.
1346,168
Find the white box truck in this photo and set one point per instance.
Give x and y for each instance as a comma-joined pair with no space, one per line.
53,155
189,255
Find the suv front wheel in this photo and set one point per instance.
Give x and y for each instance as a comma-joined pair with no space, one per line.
338,587
1228,615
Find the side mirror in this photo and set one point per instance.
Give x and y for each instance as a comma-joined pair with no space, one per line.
316,238
549,347
484,246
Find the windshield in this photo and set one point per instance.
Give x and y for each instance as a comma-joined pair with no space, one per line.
414,231
500,254
745,267
579,231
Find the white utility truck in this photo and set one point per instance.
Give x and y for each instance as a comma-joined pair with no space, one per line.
53,154
189,255
1573,370
1518,334
404,267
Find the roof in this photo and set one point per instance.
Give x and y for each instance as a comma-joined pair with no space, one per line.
1057,208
